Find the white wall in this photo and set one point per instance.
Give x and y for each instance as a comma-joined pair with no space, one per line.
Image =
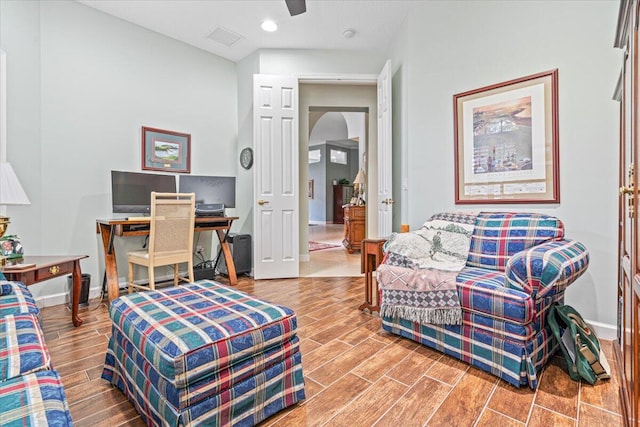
304,62
100,80
244,183
19,38
452,47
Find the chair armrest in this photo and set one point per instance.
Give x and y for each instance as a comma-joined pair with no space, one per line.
547,269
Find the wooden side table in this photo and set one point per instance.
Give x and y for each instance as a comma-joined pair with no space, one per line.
370,259
47,267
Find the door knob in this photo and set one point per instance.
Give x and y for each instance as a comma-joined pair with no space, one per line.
262,202
627,190
388,201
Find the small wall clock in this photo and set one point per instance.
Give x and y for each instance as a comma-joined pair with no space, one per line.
246,158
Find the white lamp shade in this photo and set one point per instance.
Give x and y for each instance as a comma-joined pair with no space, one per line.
11,192
361,177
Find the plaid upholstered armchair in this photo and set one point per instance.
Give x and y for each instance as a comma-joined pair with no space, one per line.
517,266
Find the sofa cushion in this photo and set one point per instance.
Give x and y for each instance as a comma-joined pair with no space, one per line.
22,346
18,301
499,235
483,291
33,400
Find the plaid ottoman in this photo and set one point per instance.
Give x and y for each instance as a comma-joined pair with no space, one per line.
204,353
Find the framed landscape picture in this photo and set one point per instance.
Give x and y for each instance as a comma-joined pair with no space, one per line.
506,142
164,150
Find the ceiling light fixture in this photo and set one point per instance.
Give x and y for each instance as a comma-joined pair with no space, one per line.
269,26
348,33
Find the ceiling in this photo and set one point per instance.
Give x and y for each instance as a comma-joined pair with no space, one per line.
332,127
192,21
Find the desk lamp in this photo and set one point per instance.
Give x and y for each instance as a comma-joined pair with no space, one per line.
11,193
360,181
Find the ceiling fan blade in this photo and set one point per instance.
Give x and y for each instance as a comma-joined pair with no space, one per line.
296,7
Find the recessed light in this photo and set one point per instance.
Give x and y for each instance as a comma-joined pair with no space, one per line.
269,26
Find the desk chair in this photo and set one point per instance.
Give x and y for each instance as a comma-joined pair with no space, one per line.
170,237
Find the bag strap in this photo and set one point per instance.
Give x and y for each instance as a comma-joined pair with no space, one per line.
591,358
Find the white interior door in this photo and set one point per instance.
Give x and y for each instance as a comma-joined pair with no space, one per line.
276,192
385,180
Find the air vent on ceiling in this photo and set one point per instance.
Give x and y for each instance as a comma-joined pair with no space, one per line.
224,36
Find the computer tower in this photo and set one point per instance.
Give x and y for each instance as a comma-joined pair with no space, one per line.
240,245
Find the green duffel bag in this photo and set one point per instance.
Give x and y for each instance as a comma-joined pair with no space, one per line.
579,344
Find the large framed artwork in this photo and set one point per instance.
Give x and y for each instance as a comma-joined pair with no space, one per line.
506,142
164,150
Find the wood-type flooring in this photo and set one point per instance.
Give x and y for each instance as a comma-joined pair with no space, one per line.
355,373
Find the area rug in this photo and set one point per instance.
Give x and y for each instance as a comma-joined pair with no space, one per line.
317,246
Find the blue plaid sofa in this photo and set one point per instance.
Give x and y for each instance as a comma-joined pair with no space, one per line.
31,392
204,354
519,264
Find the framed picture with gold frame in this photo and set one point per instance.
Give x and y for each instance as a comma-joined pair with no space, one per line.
165,150
506,142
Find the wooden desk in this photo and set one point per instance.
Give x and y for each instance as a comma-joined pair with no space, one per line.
48,267
370,258
110,228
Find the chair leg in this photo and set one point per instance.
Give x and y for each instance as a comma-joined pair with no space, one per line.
176,279
130,277
190,271
152,280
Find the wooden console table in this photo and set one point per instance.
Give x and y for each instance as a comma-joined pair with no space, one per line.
110,228
370,259
48,267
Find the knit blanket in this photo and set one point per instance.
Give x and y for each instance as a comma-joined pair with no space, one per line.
418,276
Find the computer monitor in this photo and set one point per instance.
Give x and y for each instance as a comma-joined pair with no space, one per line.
131,191
210,189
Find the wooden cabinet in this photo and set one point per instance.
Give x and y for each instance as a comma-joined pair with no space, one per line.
354,227
628,340
341,196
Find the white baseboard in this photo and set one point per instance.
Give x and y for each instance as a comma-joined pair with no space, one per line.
604,331
63,298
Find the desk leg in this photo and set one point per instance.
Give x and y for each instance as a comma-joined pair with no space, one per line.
110,266
75,298
228,257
